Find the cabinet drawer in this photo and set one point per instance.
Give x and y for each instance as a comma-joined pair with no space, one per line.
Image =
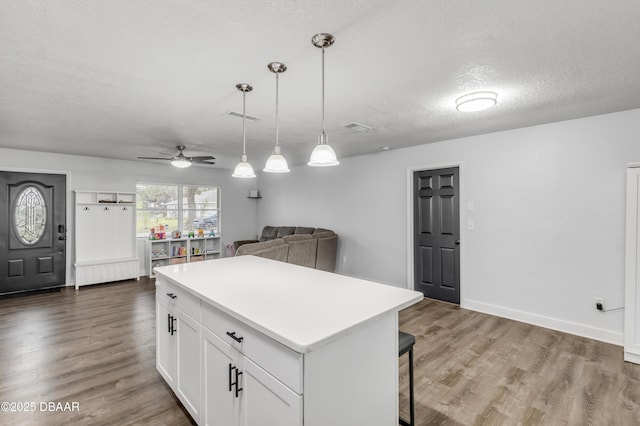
280,361
175,296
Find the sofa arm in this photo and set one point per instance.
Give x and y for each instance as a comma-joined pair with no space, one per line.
239,243
327,251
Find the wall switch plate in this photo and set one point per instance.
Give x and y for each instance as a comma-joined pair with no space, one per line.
471,225
344,259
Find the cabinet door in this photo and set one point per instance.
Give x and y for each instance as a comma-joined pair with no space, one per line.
188,362
220,405
165,343
266,401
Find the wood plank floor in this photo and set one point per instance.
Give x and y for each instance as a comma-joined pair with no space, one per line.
477,369
96,347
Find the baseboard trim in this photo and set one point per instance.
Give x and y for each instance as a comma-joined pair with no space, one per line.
631,357
570,327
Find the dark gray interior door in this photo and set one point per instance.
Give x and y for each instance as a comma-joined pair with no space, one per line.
437,233
32,231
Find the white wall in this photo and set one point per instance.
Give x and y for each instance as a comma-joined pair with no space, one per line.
238,218
549,217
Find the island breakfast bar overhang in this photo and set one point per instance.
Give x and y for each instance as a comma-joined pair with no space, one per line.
255,342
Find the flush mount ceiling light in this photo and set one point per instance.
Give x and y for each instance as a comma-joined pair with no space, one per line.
244,169
477,101
323,155
276,163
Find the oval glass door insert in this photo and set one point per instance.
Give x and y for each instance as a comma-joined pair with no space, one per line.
30,215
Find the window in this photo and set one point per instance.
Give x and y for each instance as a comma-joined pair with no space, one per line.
180,207
30,215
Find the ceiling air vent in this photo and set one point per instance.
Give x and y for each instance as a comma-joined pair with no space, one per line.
239,115
358,127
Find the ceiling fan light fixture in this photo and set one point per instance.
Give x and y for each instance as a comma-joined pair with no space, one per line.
276,163
323,155
476,101
244,170
181,163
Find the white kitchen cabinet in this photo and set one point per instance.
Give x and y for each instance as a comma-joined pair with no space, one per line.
237,392
266,401
284,345
165,342
105,238
188,362
178,345
220,407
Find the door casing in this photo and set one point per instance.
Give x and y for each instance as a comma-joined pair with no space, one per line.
69,206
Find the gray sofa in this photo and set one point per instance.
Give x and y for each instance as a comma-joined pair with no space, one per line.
311,247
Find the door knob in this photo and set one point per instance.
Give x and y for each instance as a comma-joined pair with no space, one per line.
457,242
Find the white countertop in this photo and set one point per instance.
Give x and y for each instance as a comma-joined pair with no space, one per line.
300,307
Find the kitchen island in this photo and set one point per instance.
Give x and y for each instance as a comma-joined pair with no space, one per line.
255,342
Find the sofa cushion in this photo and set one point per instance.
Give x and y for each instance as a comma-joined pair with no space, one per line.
324,233
269,233
272,249
285,230
296,237
304,230
251,247
302,249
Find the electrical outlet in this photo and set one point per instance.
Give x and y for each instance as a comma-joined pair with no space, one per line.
599,303
344,259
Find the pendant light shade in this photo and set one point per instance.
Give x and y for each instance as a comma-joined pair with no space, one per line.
323,155
244,169
276,163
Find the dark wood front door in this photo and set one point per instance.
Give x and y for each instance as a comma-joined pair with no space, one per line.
32,231
437,233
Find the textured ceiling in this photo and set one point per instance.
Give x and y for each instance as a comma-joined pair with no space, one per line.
128,78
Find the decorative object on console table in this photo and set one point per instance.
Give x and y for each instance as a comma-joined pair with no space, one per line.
105,237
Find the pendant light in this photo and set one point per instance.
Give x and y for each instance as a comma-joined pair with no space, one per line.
323,155
243,169
276,163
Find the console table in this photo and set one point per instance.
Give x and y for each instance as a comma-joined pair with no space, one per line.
252,341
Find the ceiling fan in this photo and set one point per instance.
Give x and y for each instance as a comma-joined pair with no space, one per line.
181,160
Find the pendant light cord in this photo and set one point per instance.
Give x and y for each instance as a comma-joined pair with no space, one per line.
244,135
277,133
323,90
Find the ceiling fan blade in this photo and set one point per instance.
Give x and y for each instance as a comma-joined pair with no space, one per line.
203,158
203,161
154,158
